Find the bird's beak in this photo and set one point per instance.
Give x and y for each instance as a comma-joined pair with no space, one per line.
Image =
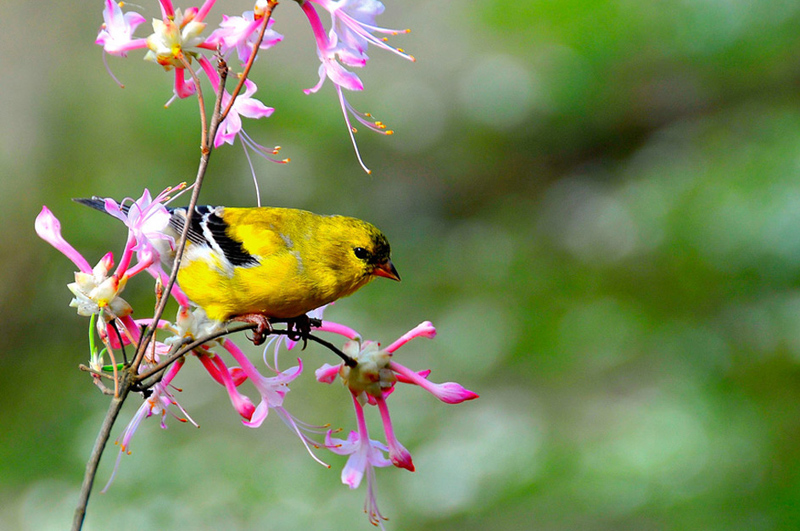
387,270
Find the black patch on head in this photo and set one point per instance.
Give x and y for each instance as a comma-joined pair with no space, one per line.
382,250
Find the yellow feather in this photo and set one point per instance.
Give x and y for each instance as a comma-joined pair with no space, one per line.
305,261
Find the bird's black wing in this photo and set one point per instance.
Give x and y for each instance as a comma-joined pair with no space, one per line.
208,228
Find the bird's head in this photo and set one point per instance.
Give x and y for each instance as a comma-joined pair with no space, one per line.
367,250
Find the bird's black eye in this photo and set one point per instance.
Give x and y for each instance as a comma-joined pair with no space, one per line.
361,253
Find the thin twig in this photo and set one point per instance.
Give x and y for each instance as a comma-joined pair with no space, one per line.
128,381
216,117
150,331
179,352
188,347
267,16
84,368
125,378
113,324
350,362
200,100
99,445
110,351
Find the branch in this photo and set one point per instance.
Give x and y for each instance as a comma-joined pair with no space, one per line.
129,381
216,117
176,263
126,380
84,368
267,16
127,377
200,100
185,348
350,362
207,145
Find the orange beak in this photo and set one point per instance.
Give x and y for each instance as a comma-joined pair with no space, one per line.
387,270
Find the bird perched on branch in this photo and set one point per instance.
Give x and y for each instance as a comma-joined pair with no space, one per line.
256,264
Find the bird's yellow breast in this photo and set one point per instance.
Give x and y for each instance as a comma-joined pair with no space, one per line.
295,273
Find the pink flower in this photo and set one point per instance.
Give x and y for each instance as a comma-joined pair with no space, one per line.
327,373
241,33
448,392
146,220
231,127
217,369
244,105
273,390
373,378
116,33
174,43
352,27
367,379
176,35
98,292
327,51
157,403
49,229
365,454
377,373
95,290
353,24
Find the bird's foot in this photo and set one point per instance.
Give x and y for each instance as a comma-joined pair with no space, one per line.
299,328
263,326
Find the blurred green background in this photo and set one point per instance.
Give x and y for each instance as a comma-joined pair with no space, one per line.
596,202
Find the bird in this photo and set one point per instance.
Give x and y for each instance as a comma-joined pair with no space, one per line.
261,264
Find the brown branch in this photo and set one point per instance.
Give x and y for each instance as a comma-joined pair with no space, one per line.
84,368
350,362
100,443
173,357
128,379
216,117
185,348
200,100
267,16
198,183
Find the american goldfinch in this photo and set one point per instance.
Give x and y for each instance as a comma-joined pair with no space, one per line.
249,264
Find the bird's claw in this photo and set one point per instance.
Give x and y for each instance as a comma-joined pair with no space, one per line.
299,328
263,326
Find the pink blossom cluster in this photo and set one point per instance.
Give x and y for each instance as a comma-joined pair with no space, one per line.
178,42
370,381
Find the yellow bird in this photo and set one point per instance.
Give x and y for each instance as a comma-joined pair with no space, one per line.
249,264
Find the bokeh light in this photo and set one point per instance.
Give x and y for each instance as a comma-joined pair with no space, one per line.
597,203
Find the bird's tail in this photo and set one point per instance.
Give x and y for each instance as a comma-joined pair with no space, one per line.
98,203
164,248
